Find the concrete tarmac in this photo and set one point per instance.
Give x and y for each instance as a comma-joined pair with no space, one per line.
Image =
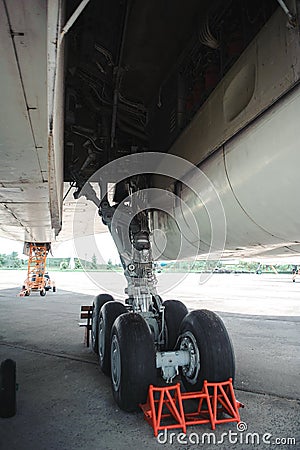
65,402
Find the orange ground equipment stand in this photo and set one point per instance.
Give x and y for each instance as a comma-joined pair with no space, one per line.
165,407
37,279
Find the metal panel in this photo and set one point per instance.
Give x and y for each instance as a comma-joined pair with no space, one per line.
78,215
263,168
29,18
18,155
267,69
6,218
25,193
256,178
31,215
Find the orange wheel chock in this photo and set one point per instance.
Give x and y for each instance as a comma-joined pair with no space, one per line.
165,406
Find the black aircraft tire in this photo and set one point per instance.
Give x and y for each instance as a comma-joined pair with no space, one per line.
108,314
8,388
204,332
98,302
175,311
43,292
133,366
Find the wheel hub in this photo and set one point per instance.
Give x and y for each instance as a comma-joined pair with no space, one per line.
115,363
188,343
101,339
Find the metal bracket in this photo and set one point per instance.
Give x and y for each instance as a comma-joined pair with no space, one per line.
72,19
291,17
169,363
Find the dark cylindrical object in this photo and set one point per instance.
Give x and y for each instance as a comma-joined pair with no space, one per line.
141,240
8,404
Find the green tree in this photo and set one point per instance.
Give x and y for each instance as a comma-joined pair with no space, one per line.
63,265
14,260
94,264
78,264
3,260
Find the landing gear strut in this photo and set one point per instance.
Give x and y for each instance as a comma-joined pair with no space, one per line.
135,340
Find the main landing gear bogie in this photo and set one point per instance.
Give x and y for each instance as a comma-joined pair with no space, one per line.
197,346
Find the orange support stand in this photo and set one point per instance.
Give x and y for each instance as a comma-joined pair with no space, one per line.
214,399
154,413
203,412
223,401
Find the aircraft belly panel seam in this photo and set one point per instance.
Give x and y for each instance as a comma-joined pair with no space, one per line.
238,201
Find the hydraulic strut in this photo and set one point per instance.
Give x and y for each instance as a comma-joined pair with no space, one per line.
138,265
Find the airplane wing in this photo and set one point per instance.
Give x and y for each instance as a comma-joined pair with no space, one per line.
85,84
